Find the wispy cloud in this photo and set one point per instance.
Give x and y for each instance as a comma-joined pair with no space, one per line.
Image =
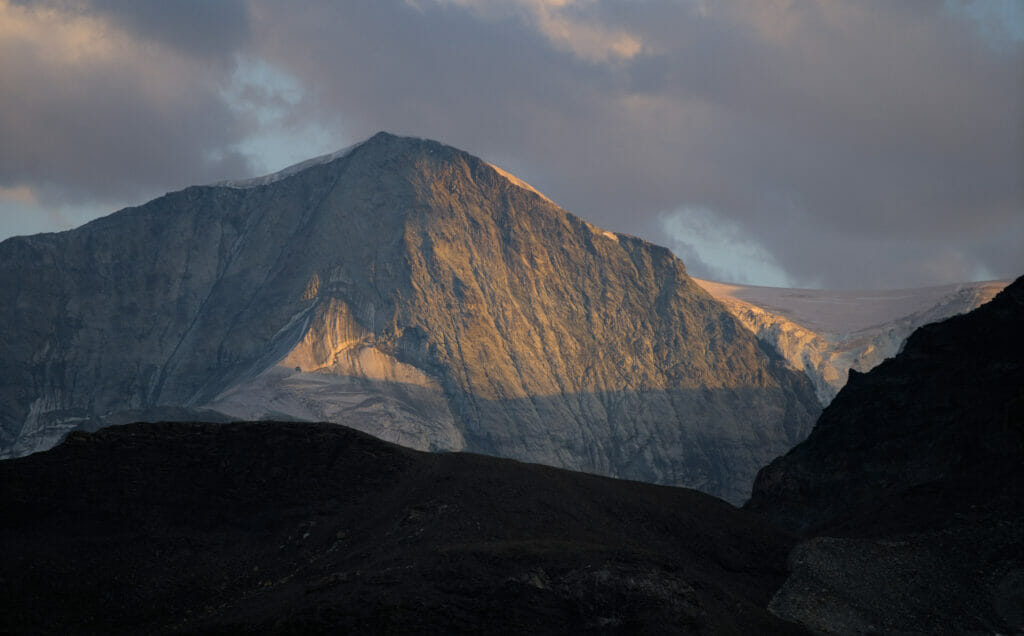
721,249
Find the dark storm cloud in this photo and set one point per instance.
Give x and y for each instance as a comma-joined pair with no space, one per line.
208,30
849,143
205,28
101,104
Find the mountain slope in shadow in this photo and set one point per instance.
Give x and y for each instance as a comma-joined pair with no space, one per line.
314,528
909,488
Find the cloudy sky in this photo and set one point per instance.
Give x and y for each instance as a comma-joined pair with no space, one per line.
817,143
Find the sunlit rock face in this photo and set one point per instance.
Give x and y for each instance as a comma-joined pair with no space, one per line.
336,373
825,333
407,289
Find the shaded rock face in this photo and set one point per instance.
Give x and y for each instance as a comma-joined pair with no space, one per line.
947,404
290,528
910,484
407,289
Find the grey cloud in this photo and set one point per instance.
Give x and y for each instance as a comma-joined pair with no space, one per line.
821,124
93,112
209,30
861,144
212,31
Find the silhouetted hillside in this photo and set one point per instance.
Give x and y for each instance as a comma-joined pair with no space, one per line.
911,482
315,528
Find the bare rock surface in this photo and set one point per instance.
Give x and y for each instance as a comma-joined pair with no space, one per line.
409,290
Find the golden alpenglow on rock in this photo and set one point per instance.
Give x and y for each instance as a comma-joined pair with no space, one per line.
405,288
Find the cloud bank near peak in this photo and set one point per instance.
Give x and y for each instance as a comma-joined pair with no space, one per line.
855,144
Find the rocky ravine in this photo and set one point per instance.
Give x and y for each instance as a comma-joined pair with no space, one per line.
826,333
909,488
409,290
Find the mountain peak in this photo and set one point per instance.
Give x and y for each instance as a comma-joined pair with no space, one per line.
383,137
406,288
384,149
381,140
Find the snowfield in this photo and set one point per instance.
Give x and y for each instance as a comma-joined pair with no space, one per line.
827,332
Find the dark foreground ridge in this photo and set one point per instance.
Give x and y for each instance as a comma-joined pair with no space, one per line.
311,528
911,484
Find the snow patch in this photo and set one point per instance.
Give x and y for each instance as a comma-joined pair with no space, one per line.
825,333
519,182
599,232
293,169
849,311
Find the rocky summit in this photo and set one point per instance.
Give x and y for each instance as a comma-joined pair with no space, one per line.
409,290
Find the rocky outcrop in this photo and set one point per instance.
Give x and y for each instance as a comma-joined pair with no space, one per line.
410,290
910,484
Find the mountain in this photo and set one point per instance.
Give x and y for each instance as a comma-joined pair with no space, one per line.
907,496
909,488
409,290
825,333
292,528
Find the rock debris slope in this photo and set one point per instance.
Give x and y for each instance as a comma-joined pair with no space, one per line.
409,290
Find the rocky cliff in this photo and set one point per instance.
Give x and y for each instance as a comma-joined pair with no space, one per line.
910,487
404,288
